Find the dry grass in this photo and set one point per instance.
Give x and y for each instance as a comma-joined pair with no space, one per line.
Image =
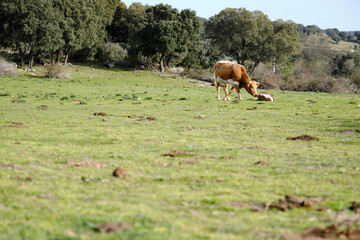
7,68
57,71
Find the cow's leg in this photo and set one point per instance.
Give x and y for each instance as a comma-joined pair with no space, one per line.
238,92
226,94
218,91
231,91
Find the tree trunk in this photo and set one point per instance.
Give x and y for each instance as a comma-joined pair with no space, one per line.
31,60
59,56
253,68
22,56
66,55
162,69
52,59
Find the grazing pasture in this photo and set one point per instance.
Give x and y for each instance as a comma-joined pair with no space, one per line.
114,154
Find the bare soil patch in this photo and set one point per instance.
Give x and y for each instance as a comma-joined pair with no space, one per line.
256,147
349,131
7,165
18,125
108,227
119,173
289,202
93,164
201,117
21,179
331,232
100,114
188,162
262,163
306,138
148,119
43,107
176,153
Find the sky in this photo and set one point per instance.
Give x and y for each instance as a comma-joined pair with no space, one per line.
341,14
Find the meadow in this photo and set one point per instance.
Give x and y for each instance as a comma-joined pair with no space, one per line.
188,160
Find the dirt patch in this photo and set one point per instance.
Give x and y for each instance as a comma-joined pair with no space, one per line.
43,107
201,117
346,218
252,109
93,164
100,114
254,207
331,232
227,157
17,101
289,202
355,207
108,227
148,119
188,162
119,173
262,163
10,165
349,131
18,125
306,138
256,148
27,179
176,153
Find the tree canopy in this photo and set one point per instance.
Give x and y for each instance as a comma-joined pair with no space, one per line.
251,36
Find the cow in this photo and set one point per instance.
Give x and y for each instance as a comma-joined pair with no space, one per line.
235,75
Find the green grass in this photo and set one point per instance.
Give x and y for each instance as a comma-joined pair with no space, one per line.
162,198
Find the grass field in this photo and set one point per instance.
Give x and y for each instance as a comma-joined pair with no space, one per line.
48,126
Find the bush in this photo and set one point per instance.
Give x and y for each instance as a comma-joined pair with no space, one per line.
355,77
57,71
110,52
268,79
7,68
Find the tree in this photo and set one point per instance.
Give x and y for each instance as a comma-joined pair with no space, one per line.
357,35
118,31
251,36
334,34
343,35
313,29
84,22
190,41
30,30
167,35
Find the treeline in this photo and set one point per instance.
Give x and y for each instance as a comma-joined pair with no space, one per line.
281,53
152,34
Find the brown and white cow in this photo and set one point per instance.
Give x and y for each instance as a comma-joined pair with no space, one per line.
235,75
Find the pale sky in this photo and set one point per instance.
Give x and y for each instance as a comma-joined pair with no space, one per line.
341,14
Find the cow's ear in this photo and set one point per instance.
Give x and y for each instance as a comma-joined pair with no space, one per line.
257,84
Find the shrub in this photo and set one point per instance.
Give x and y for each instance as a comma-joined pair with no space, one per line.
110,52
57,71
7,68
268,79
355,77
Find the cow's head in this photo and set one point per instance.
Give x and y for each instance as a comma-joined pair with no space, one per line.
251,87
